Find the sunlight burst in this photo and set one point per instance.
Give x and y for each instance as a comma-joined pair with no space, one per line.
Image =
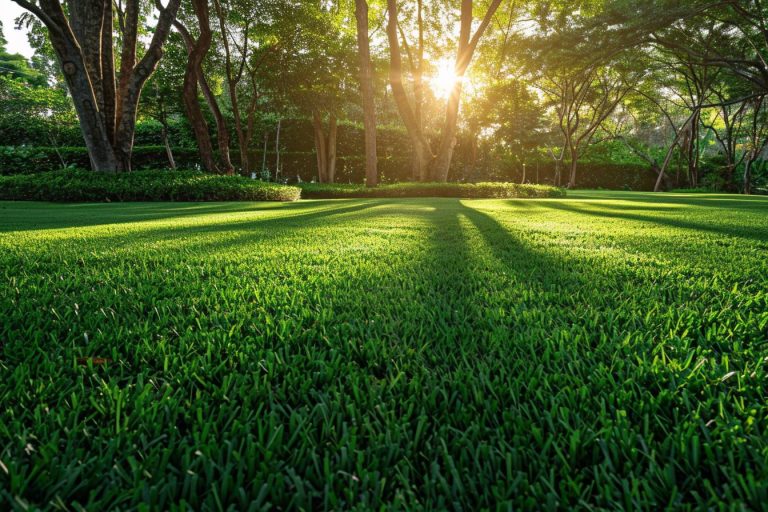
443,80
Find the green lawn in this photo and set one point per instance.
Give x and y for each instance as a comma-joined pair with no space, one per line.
604,350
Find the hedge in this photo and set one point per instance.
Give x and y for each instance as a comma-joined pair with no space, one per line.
461,190
78,185
74,186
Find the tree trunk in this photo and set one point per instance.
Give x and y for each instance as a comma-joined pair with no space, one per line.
195,58
572,178
466,50
748,176
164,130
366,91
574,154
100,152
320,147
75,70
194,47
168,150
325,147
232,81
222,132
250,130
685,130
277,148
421,149
108,71
442,162
330,167
264,154
83,45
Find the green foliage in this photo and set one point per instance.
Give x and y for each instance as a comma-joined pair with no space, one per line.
37,115
35,159
16,66
140,186
462,190
606,351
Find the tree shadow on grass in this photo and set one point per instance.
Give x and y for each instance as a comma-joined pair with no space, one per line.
35,216
488,303
725,201
598,210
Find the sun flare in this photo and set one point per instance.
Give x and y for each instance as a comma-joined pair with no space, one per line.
444,78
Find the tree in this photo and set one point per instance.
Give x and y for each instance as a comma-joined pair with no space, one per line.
83,41
162,100
429,164
197,51
366,91
757,139
583,98
317,79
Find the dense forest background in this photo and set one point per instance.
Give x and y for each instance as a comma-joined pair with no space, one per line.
628,94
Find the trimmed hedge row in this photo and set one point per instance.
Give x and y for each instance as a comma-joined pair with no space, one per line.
461,190
74,186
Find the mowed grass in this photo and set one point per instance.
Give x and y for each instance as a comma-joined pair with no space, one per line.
608,350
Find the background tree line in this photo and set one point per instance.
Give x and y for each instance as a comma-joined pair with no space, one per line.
634,93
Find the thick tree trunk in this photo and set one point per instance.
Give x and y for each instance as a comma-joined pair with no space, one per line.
366,91
572,178
75,70
108,72
83,45
197,121
442,162
95,135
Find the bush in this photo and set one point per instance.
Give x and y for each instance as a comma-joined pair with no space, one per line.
73,186
462,190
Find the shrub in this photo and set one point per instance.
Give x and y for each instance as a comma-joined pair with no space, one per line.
462,190
73,186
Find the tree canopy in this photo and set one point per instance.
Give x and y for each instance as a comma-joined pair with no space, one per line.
463,88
